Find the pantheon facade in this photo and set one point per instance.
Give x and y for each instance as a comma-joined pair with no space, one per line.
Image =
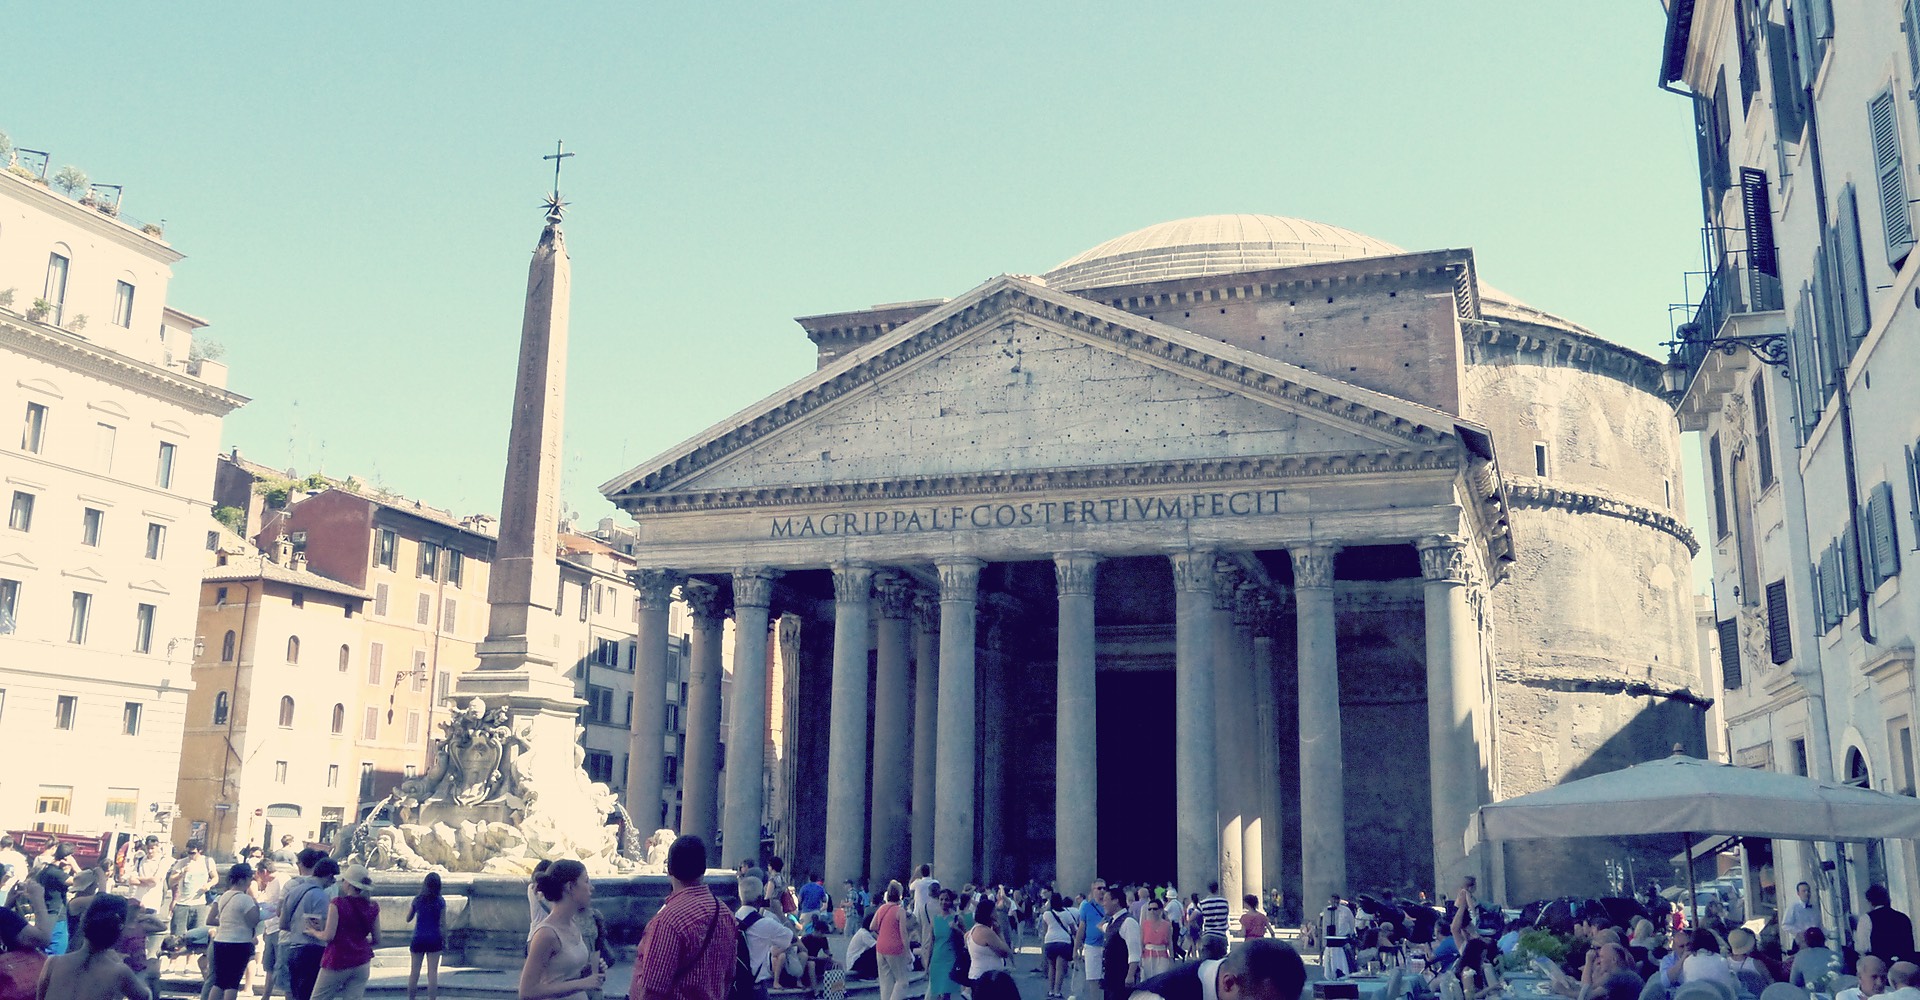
1240,548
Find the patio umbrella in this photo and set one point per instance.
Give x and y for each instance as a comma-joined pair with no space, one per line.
1688,796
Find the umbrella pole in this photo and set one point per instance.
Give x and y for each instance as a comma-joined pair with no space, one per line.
1686,858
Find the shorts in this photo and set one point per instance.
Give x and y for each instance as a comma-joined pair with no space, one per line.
1092,954
1062,950
427,946
229,961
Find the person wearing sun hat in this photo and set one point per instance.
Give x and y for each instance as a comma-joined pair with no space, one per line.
351,933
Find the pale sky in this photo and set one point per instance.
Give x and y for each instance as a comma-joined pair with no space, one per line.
356,185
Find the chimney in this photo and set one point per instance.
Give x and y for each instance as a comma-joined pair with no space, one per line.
282,550
299,562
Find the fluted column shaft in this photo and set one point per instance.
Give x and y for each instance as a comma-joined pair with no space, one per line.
647,729
953,791
1076,778
1323,810
1246,708
847,735
926,688
747,730
1453,753
1196,838
1229,769
1267,702
890,717
700,777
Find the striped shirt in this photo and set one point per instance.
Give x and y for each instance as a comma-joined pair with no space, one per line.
1213,916
688,949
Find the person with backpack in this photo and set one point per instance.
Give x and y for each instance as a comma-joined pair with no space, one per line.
764,939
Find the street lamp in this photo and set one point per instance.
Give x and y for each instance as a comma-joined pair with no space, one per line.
199,645
1688,349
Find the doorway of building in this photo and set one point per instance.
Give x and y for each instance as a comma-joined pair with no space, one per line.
1136,809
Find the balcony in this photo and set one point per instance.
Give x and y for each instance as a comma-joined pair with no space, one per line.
1741,311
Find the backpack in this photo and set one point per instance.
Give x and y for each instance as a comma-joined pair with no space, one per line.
962,958
744,987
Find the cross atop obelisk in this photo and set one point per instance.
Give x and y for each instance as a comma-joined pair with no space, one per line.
554,205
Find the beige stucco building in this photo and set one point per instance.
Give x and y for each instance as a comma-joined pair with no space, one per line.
107,471
1238,547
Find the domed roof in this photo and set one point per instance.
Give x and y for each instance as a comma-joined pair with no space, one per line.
1213,244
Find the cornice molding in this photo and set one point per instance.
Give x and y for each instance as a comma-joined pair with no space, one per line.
1549,346
96,222
63,349
1536,495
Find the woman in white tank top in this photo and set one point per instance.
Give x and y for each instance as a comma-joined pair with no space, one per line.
987,951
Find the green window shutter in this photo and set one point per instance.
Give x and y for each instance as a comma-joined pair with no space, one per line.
1849,563
1729,630
1808,398
1886,532
1910,23
1895,220
1856,319
1913,491
1719,486
1762,432
1779,625
1820,19
1788,97
1826,317
1763,261
1822,590
1869,544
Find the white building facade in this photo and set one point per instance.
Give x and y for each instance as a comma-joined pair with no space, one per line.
107,470
1808,134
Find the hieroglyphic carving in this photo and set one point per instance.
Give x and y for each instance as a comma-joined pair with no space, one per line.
1313,566
1073,573
654,587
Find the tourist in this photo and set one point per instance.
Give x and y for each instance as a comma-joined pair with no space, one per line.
1090,939
1056,947
938,951
924,887
816,954
306,896
142,925
1156,941
351,933
269,888
1214,914
989,957
687,952
1798,915
1253,923
235,921
813,896
54,881
559,961
13,864
1886,932
149,875
1814,960
427,913
1748,970
1704,963
1903,981
537,905
1120,959
1478,976
95,971
749,868
862,961
1262,970
1195,927
767,935
286,855
1465,912
190,880
779,891
895,965
1177,916
1873,980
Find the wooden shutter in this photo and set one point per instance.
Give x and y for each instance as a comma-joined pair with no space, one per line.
1852,269
1849,568
1869,544
1749,59
1913,491
1911,25
1762,431
1884,130
1779,625
1719,487
1788,97
1826,317
1763,262
1729,629
1828,572
1822,603
1808,395
1886,532
1820,19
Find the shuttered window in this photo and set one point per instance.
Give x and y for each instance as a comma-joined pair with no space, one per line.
1895,221
1762,432
1787,90
1719,487
1819,24
1779,625
1911,19
1913,486
1749,59
1763,262
1851,270
1729,629
1807,382
1827,573
1849,563
1884,531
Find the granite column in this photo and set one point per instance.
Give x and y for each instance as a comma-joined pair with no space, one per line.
1076,778
891,782
1323,820
847,737
700,774
953,839
1453,752
647,729
1197,860
747,726
1229,695
1267,702
926,687
1250,780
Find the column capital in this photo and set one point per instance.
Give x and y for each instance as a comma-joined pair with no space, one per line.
1193,570
1073,573
1313,566
787,630
1226,584
703,603
753,586
926,611
959,578
1251,606
895,590
1443,559
852,582
654,587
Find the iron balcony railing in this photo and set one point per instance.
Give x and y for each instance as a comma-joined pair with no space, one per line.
1733,289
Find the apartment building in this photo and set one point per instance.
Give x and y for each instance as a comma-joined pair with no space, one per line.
107,484
1796,367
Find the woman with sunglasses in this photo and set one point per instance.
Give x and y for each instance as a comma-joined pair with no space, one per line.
1156,941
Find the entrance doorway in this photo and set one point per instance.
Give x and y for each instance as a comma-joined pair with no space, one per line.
1136,811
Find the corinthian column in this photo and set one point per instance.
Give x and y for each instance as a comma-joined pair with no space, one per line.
953,816
1076,779
1453,753
1229,695
1267,701
890,787
1246,710
847,737
747,730
1323,807
647,729
699,787
1193,753
926,687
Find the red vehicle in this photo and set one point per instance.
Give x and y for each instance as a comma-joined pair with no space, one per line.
86,849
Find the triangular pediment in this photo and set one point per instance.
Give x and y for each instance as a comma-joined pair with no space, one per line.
85,573
17,560
1018,376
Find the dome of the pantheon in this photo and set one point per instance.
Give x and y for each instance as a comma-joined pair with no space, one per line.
1229,244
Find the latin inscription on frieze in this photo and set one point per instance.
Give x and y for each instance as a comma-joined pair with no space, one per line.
1040,513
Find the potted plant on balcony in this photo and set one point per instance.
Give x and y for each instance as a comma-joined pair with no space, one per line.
39,311
152,229
71,179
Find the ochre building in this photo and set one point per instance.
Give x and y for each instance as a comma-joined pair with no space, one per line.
1239,548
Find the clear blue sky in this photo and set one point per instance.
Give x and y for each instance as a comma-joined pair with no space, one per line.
356,185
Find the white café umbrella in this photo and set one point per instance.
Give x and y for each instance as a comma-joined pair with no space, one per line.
1688,796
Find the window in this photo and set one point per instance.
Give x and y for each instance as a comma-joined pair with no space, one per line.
82,611
583,601
627,718
20,515
9,606
1883,127
1762,433
366,779
163,470
423,609
599,707
339,719
376,658
143,615
299,598
121,803
1719,487
123,305
442,684
346,654
56,289
606,652
413,728
380,600
449,616
1540,459
286,711
156,540
599,598
54,801
103,435
220,708
456,566
673,718
673,769
130,719
279,772
370,725
33,436
293,649
333,776
419,670
599,766
213,540
386,548
1883,535
66,709
409,771
1729,632
429,567
226,647
90,520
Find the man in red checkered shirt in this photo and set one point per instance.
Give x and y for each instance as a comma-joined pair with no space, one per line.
688,949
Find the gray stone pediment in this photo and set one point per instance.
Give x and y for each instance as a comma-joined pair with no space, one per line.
1018,376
